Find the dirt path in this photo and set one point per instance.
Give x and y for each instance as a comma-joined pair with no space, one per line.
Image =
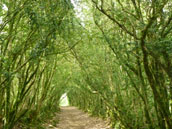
72,118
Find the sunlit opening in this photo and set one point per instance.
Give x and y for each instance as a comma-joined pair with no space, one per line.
64,100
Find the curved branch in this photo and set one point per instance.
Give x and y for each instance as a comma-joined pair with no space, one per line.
115,21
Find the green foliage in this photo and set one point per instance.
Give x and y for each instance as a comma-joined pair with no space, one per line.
111,57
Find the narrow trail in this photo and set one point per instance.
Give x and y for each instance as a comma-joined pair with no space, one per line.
72,118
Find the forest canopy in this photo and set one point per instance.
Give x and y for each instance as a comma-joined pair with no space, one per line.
113,59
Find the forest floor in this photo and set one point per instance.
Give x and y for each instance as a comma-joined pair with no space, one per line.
72,118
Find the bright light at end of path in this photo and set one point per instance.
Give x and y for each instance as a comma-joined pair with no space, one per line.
64,100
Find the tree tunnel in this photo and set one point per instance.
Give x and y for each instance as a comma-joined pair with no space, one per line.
112,58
